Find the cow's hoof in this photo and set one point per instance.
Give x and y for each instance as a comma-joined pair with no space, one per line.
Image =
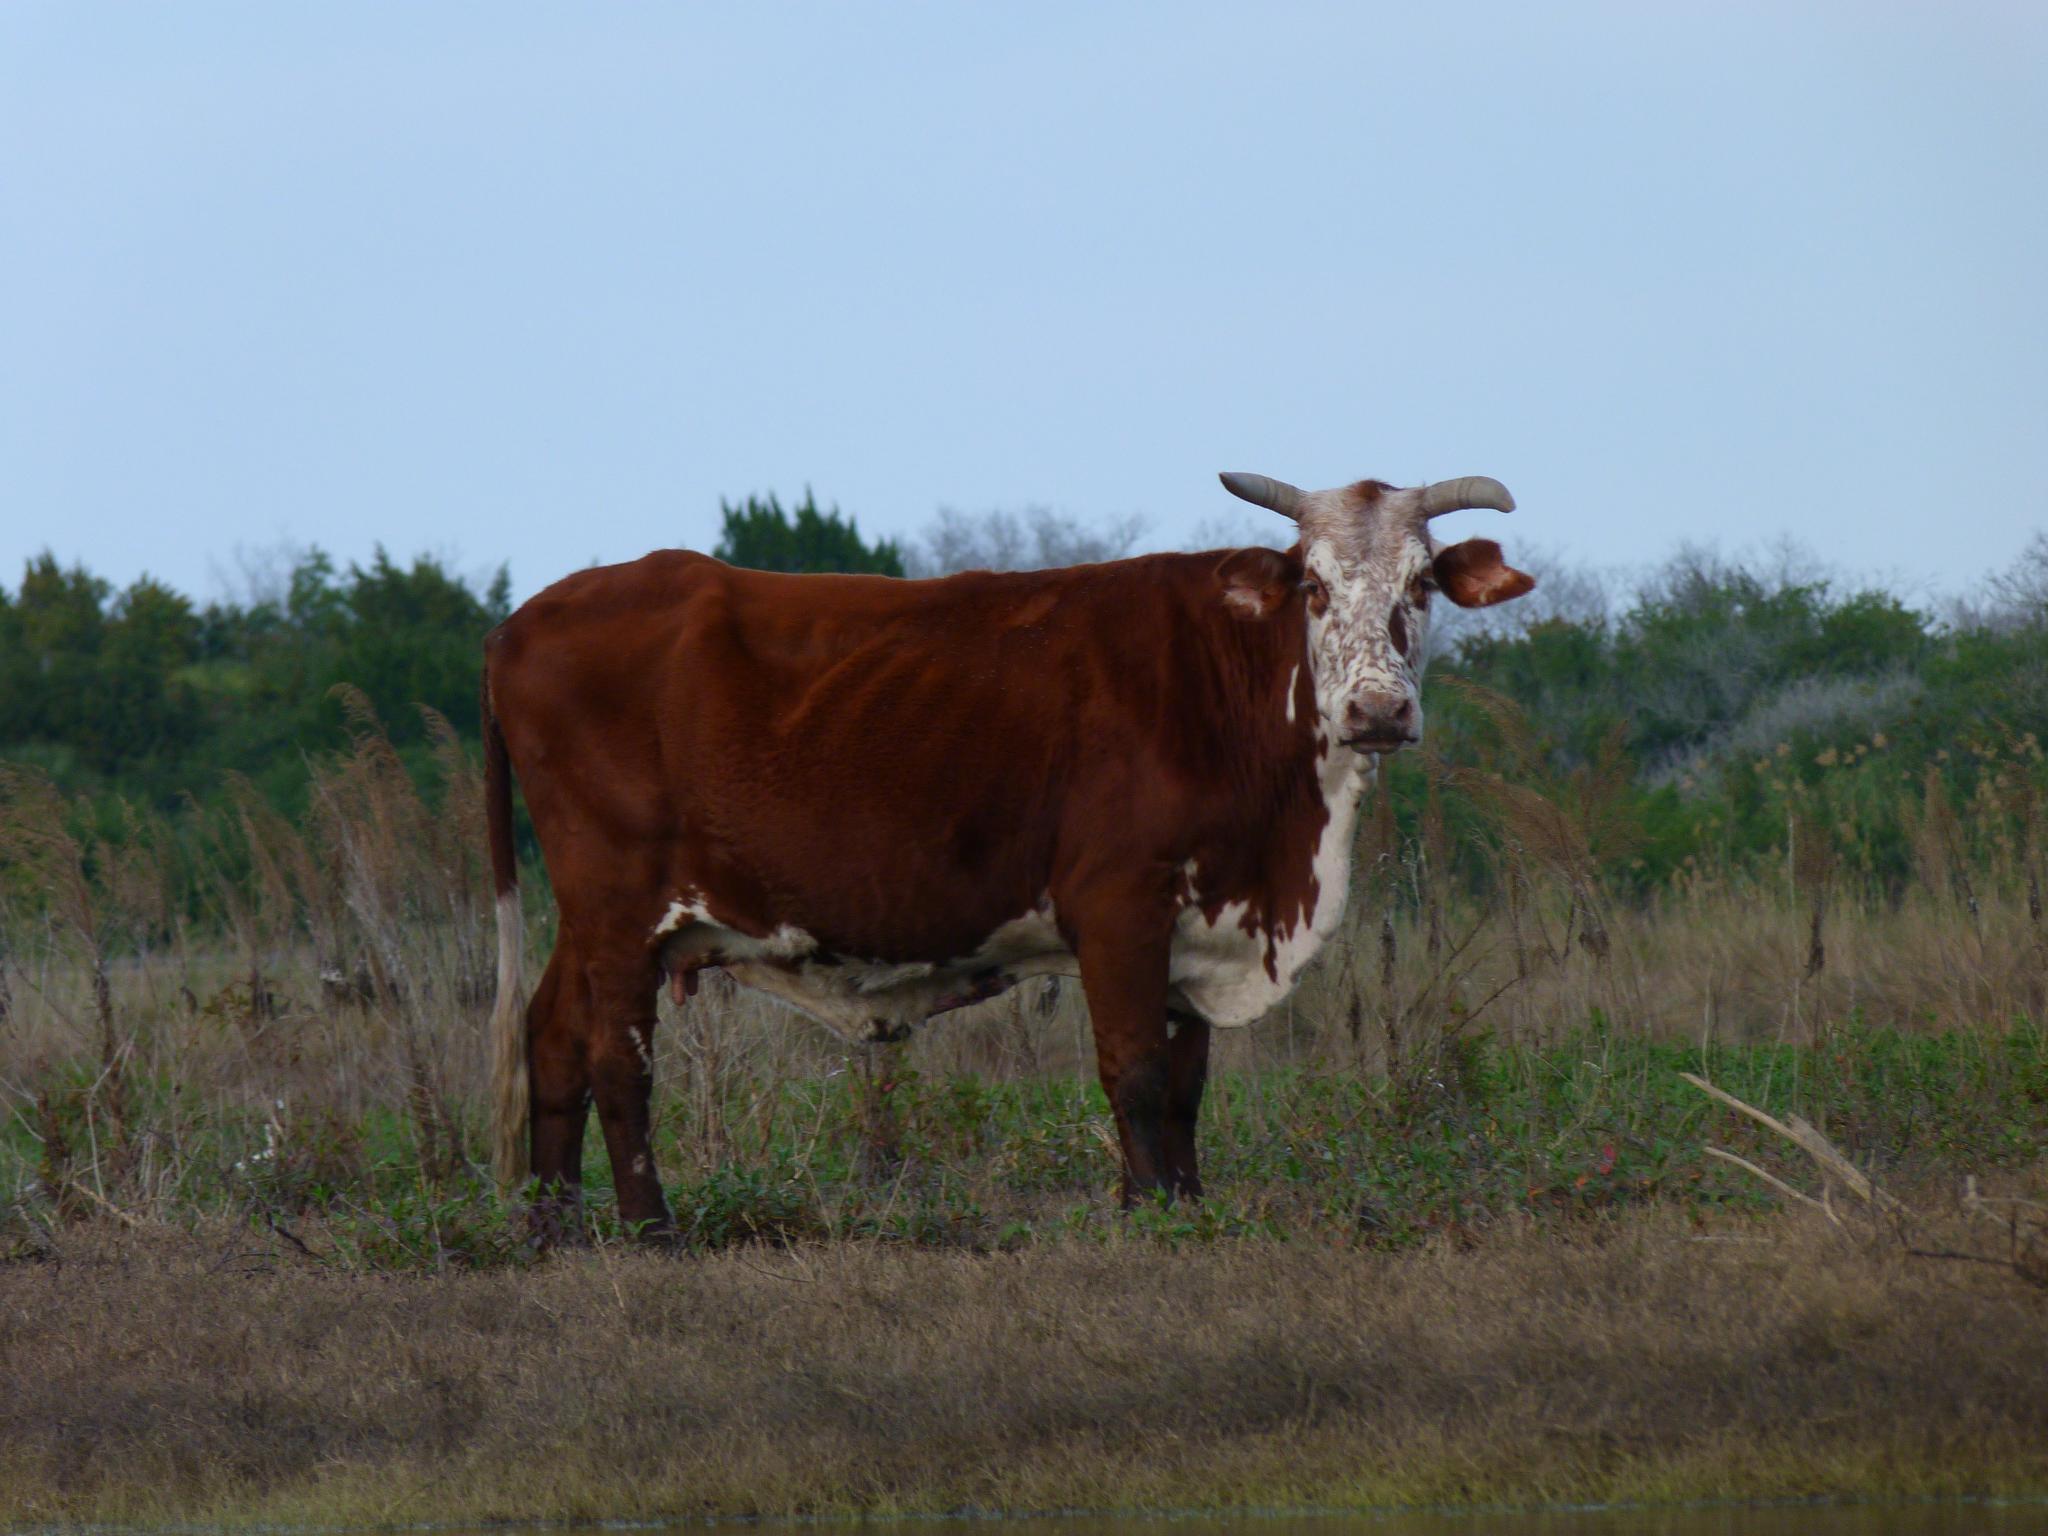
556,1222
656,1236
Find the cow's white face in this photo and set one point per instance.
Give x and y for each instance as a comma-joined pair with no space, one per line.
1368,573
1367,579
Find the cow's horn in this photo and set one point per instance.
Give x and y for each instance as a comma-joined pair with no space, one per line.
1464,494
1277,495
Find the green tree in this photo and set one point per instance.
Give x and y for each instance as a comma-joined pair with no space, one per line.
53,632
405,635
137,694
763,537
91,683
148,715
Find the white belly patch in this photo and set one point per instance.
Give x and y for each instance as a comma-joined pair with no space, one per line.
865,999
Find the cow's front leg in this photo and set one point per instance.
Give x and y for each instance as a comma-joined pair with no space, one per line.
622,1080
1187,1074
1124,976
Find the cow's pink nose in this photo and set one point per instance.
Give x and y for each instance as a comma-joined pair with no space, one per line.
1378,717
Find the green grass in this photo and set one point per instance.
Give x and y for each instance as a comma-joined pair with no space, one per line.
1598,1123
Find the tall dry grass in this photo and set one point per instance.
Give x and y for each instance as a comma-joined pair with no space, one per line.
317,976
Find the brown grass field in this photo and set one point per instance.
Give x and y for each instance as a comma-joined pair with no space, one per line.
211,1375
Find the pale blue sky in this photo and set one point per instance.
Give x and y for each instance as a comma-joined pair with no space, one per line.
541,283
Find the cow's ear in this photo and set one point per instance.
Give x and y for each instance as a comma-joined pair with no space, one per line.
1473,575
1257,582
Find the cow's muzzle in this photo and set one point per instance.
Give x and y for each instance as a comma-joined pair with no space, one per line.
1381,722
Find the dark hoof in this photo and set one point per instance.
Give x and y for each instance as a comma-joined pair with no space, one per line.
1135,1195
656,1236
556,1221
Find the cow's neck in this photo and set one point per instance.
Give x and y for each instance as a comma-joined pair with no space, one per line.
1287,868
1342,778
1266,885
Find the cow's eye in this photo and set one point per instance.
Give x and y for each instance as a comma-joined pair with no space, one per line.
1312,588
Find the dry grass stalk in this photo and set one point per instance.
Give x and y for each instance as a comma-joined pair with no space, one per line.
1799,1195
1804,1135
2023,1222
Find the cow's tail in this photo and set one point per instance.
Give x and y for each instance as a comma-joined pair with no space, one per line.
509,1099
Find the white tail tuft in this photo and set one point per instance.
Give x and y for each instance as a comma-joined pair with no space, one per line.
508,1048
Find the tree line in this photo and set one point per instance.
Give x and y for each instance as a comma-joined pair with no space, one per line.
1717,704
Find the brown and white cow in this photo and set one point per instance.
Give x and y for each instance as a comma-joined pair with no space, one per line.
881,799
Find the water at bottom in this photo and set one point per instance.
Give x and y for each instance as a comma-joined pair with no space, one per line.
1956,1519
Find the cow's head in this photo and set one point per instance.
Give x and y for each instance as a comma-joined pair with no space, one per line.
1366,569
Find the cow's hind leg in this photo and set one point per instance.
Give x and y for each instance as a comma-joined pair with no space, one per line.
1187,1074
622,995
558,1075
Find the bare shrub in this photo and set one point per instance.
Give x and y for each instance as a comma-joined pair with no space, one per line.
1817,705
98,901
1037,538
404,870
1566,593
2015,596
1240,529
